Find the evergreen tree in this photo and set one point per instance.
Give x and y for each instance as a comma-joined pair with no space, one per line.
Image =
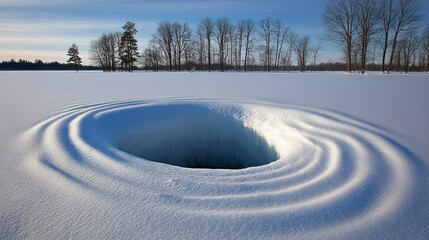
74,58
128,47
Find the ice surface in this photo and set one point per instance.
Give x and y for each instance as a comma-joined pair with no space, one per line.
329,155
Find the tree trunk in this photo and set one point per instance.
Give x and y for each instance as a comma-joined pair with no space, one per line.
392,54
363,55
209,51
383,58
349,58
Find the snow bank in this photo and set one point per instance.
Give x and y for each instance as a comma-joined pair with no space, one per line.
213,167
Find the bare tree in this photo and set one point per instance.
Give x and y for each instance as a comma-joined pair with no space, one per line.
408,47
266,30
407,17
302,50
425,48
207,27
280,33
388,16
339,20
356,50
291,40
164,39
189,55
315,52
200,46
181,39
222,29
367,17
252,62
96,54
151,57
397,58
232,47
105,50
241,25
374,55
249,30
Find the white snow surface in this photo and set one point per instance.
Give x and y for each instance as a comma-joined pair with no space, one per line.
107,156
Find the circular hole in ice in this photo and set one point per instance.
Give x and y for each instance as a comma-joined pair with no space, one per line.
197,137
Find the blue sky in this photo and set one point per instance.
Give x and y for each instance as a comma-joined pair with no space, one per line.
44,29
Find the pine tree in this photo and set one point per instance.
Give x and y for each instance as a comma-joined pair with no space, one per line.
128,47
74,59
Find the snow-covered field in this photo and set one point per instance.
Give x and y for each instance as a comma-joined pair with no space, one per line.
315,156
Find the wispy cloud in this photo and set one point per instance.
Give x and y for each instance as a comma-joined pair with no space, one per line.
16,24
32,3
180,6
23,36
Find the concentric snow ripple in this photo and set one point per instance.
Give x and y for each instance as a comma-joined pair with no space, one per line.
333,173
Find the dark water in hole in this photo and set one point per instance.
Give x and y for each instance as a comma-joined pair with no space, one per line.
199,139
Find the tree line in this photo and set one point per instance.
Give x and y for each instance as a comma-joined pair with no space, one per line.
21,64
376,35
386,30
216,45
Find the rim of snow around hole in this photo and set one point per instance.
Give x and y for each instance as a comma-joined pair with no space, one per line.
192,135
